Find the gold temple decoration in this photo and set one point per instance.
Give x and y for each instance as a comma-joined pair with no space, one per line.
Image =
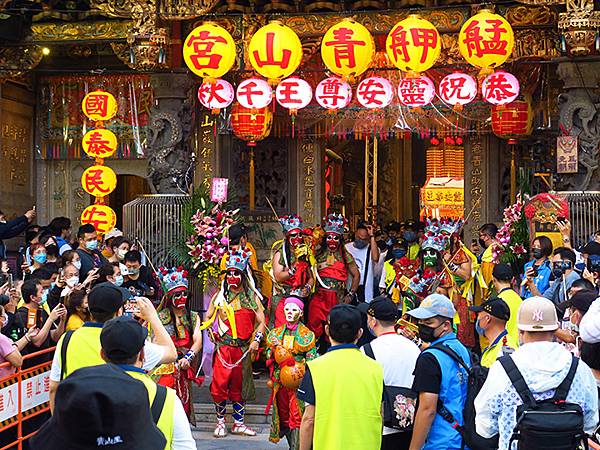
16,61
579,27
167,9
76,31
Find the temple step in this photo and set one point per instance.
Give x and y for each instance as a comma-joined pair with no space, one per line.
202,394
255,415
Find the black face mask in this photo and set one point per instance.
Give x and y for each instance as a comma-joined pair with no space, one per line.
52,250
559,268
382,245
427,333
536,253
482,243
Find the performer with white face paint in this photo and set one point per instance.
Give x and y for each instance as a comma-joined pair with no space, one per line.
290,346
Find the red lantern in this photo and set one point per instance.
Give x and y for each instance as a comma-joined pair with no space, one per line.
254,93
416,92
251,125
333,93
500,88
375,93
216,96
512,121
458,89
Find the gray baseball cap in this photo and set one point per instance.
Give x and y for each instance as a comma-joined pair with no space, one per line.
434,305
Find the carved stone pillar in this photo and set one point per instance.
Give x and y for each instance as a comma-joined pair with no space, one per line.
171,119
579,117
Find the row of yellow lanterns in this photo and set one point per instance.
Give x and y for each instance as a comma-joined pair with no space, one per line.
413,45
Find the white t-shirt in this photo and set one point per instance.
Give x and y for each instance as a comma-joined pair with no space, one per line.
153,355
360,258
398,357
182,433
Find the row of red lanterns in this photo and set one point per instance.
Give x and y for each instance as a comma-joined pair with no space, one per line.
456,89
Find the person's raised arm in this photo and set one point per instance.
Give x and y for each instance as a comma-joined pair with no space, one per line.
58,312
374,247
161,336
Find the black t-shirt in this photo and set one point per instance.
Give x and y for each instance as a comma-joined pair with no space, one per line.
306,391
428,374
142,283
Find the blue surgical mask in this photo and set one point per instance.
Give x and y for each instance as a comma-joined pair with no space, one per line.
360,244
133,271
44,297
92,245
480,331
398,253
40,258
77,264
410,236
52,285
119,280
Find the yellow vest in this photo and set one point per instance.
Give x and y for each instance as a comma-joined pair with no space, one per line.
165,423
83,350
348,392
513,300
45,306
490,355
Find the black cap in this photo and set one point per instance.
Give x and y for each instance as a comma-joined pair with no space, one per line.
345,317
100,407
494,307
106,298
591,248
502,272
236,232
122,338
382,308
582,300
393,226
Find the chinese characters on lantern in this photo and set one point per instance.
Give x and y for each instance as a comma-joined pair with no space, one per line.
293,94
102,217
99,106
458,89
500,88
375,92
416,92
333,93
209,51
413,45
347,49
99,180
100,143
216,96
254,93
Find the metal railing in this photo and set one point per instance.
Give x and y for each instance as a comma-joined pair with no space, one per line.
584,214
32,386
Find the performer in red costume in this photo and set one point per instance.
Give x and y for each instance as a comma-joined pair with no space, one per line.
291,268
240,328
334,264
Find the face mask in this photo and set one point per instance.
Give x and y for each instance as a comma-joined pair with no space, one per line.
398,253
119,280
180,301
410,236
77,264
133,271
360,244
121,254
479,329
91,245
52,250
427,333
40,258
333,242
383,245
482,243
44,297
295,239
430,259
72,281
292,313
52,285
536,253
387,243
234,280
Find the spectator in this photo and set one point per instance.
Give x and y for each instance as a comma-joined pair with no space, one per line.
51,245
487,240
105,301
387,282
492,318
563,270
11,351
365,252
39,256
342,391
78,312
578,306
47,277
71,257
12,228
122,342
502,277
590,354
100,407
31,315
439,379
109,237
61,229
88,252
119,247
111,273
410,235
138,278
396,354
544,365
538,270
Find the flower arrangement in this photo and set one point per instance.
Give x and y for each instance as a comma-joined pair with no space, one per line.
208,242
512,239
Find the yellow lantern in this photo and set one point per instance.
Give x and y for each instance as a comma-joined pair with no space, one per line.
347,49
413,45
102,217
99,106
209,51
99,180
100,143
486,41
275,51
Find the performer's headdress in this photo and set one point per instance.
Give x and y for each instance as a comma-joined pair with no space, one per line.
432,241
296,300
291,223
238,259
432,227
450,226
173,278
335,223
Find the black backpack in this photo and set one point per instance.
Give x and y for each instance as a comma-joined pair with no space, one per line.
477,375
551,424
399,403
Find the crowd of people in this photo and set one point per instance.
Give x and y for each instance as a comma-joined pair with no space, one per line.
395,337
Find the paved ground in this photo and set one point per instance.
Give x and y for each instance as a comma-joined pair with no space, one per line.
205,441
